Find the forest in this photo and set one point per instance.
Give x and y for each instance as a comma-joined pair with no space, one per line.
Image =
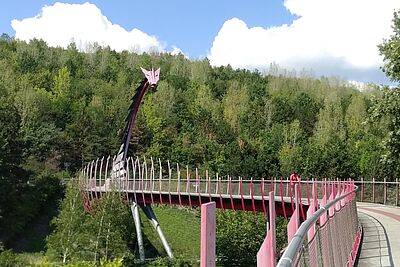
60,108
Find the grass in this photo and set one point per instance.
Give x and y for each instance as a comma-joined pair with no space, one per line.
31,258
181,227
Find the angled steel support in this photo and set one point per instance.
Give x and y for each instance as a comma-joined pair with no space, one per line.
136,218
153,220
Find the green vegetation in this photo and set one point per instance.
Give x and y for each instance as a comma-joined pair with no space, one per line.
181,227
243,233
60,108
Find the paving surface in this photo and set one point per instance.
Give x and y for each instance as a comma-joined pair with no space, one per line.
381,242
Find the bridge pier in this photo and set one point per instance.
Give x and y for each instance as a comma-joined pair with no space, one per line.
136,218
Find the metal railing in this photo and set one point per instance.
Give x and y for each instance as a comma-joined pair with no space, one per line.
329,237
335,232
383,192
155,177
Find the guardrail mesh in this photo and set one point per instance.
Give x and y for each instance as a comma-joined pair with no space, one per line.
333,241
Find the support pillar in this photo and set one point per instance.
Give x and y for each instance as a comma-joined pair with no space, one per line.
153,220
136,218
207,232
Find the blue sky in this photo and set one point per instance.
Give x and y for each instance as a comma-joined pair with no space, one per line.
319,37
190,25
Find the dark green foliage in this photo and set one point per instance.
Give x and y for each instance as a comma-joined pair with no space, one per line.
167,262
240,235
71,107
9,259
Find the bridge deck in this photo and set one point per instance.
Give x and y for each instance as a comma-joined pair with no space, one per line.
225,201
381,243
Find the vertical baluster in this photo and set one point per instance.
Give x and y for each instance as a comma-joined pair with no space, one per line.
179,184
287,187
100,172
208,190
252,196
169,184
220,196
362,189
187,179
206,182
145,172
90,180
160,181
241,191
143,177
152,174
95,178
373,190
397,191
127,176
230,192
238,192
308,191
198,186
263,197
188,185
384,191
197,181
106,174
151,180
134,166
282,200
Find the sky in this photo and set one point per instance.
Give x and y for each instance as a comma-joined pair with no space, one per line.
318,37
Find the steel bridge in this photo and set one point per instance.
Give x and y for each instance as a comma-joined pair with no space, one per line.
324,227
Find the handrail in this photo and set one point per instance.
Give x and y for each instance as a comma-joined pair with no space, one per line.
295,244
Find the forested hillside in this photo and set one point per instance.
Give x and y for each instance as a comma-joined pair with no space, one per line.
60,108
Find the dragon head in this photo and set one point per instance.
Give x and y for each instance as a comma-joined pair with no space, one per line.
152,77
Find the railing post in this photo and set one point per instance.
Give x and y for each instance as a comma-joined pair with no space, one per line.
384,191
272,226
266,255
293,223
208,223
373,190
362,189
160,181
287,187
397,191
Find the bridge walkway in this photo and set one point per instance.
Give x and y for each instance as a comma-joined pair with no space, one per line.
381,242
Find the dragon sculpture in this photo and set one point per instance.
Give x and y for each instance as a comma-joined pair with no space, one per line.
150,81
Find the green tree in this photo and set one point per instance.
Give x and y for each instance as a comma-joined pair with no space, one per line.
68,238
388,109
390,49
235,104
240,235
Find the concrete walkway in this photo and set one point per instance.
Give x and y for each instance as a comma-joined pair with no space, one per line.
381,243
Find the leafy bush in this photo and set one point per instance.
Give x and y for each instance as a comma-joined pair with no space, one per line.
9,259
240,235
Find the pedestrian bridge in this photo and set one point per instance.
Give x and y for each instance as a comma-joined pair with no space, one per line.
325,228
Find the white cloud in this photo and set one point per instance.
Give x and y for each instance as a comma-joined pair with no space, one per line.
176,51
84,24
332,37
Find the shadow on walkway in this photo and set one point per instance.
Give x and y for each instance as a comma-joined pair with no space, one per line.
375,250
